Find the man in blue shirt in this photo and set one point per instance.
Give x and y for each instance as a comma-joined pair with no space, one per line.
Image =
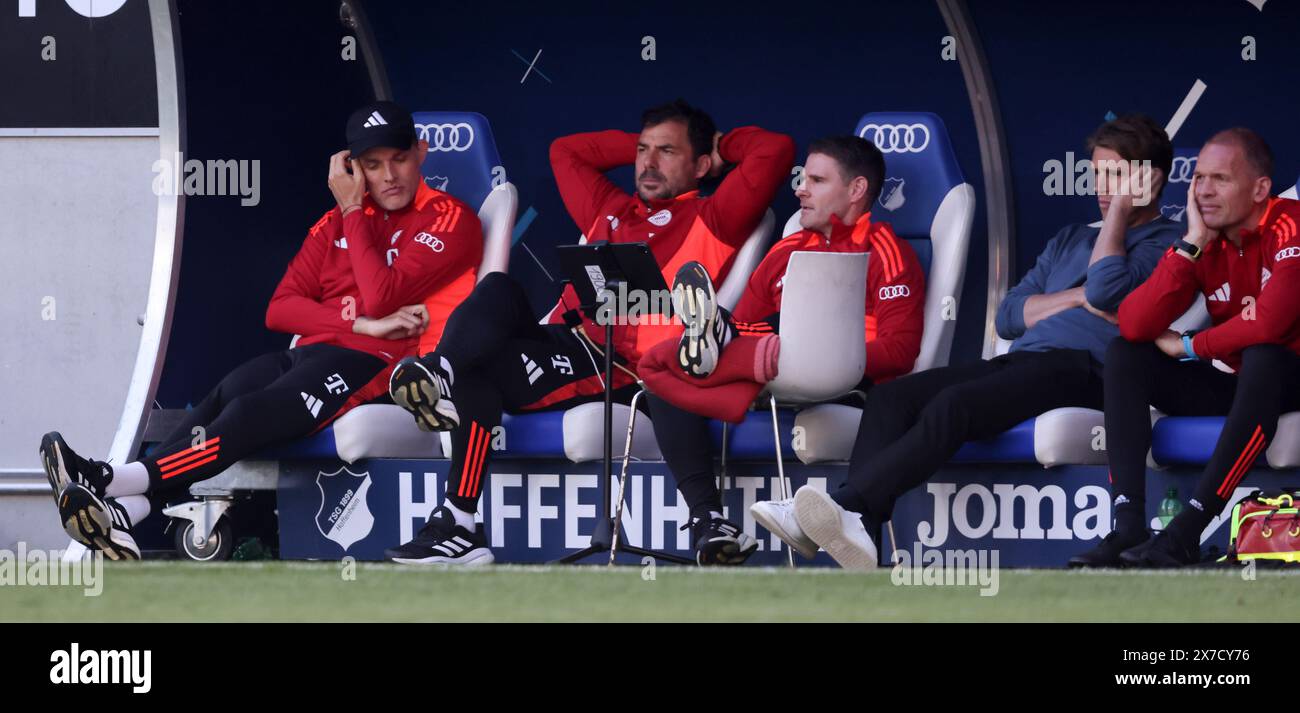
1061,317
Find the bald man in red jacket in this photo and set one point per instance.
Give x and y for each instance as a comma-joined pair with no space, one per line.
1242,253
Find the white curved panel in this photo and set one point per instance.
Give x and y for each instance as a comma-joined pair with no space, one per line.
950,233
78,224
166,238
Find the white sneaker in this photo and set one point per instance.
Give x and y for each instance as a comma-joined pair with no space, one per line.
778,517
837,530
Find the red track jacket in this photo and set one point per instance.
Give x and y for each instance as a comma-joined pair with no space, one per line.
678,230
1252,292
895,290
371,263
895,313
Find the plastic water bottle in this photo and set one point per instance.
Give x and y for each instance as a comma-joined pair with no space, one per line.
1169,507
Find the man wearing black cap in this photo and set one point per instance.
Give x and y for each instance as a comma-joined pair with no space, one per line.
356,292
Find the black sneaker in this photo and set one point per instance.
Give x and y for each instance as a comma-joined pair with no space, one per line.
1160,552
719,542
1106,554
98,523
64,467
707,328
423,387
442,541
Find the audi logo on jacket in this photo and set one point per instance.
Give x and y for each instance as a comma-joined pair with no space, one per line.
1251,292
373,262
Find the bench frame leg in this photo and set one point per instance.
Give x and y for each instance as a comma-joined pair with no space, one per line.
784,484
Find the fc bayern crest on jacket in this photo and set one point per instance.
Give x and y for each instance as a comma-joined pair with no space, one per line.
344,515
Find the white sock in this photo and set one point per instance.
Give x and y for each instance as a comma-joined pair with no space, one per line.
137,507
729,328
464,519
128,479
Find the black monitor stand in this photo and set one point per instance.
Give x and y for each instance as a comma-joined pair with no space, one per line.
599,273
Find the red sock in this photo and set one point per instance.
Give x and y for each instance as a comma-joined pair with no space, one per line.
766,357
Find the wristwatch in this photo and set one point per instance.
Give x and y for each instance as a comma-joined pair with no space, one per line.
1192,251
1187,347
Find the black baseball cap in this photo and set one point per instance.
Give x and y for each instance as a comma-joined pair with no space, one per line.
380,123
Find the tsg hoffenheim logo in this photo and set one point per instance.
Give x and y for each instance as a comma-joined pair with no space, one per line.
891,196
344,515
438,183
1173,212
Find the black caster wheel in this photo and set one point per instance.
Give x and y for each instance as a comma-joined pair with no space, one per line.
217,548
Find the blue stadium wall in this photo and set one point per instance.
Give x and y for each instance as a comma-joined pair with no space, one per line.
268,82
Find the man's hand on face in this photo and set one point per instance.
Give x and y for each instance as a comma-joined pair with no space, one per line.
716,169
1171,343
347,186
1121,205
1197,233
1142,187
406,322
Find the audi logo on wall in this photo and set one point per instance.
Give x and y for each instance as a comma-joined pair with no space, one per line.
889,292
897,138
1182,169
447,137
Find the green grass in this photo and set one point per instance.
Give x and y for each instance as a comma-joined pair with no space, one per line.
293,591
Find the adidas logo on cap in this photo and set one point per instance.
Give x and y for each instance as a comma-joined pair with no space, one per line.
374,120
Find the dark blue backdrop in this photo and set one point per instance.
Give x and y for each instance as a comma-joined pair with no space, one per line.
268,83
1060,67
